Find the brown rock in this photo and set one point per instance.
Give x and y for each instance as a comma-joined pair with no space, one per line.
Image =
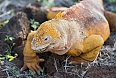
3,48
36,13
19,51
110,41
18,27
52,61
101,72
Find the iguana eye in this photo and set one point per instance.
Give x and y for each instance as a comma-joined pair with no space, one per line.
46,39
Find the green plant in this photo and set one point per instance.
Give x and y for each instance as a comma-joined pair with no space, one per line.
83,73
10,47
1,57
38,72
34,24
78,1
9,38
11,57
103,59
9,50
4,23
32,73
112,1
47,3
38,0
112,9
15,72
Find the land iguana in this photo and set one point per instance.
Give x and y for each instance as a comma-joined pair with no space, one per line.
80,31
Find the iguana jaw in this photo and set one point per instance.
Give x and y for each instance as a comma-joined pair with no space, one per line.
41,49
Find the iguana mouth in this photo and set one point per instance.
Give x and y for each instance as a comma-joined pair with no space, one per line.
41,49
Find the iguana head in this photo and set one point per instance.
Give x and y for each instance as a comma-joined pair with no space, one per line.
46,37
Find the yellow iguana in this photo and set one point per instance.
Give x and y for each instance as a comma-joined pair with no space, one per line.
79,31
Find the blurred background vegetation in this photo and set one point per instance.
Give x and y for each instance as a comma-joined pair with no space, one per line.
9,7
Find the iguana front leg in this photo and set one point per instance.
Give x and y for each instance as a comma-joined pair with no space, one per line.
31,60
92,46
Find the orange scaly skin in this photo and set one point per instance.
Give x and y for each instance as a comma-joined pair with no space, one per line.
79,31
52,12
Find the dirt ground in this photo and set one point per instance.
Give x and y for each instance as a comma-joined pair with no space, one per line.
55,66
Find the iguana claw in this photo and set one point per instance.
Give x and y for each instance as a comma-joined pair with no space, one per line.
32,64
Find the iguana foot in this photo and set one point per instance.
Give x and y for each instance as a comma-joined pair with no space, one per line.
32,64
77,60
86,57
92,55
92,46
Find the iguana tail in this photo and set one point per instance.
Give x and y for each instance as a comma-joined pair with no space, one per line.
111,18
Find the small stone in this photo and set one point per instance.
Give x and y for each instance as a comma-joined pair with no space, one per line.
2,62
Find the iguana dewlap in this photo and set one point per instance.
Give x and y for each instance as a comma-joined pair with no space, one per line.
79,31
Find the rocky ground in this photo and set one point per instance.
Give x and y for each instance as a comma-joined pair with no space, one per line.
54,66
